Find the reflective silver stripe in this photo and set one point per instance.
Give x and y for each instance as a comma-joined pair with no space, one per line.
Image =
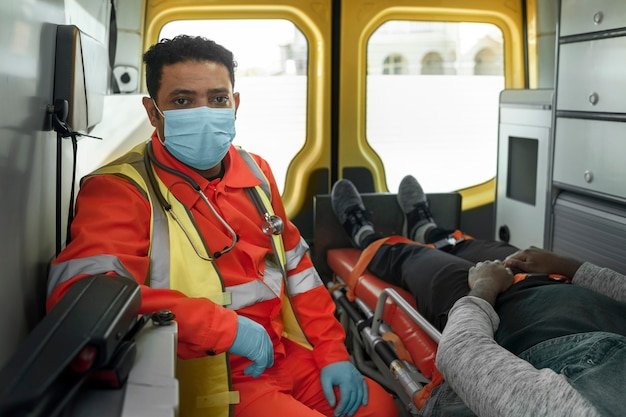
303,281
159,273
159,243
294,256
160,240
254,167
92,265
159,249
248,294
273,277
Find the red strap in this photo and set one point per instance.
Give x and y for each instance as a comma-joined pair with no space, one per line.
422,395
366,256
368,253
556,277
402,351
458,235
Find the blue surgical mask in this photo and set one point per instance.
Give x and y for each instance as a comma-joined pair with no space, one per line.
200,136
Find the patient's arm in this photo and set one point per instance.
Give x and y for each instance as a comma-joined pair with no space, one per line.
602,280
537,260
493,381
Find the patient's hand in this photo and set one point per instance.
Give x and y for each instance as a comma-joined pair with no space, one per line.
488,279
537,260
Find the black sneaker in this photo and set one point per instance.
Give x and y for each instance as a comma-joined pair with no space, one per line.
350,211
412,200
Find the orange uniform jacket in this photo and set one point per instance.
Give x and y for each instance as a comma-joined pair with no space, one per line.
113,218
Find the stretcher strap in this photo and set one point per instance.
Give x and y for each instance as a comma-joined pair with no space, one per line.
368,253
452,240
422,395
420,398
402,351
337,285
366,256
555,277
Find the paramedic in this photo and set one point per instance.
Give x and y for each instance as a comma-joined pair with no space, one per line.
528,332
198,223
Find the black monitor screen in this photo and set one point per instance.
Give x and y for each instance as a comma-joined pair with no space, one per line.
521,182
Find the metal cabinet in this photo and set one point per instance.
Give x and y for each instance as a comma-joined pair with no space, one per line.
589,132
589,154
591,76
588,16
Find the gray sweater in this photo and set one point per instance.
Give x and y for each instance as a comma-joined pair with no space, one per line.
473,363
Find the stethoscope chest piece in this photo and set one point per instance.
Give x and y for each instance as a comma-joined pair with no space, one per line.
272,224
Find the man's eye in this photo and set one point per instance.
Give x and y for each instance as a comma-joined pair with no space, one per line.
221,100
181,101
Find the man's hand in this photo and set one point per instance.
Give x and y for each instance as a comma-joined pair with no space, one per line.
488,279
537,260
352,387
253,342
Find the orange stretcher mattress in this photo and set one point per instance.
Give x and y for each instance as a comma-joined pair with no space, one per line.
367,288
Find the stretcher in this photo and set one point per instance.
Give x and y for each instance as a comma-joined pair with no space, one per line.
388,339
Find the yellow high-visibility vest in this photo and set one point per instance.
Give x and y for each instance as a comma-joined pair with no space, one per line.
205,387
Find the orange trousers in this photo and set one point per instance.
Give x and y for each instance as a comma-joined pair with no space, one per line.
292,387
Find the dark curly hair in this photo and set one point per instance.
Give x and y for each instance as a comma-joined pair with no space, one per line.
184,48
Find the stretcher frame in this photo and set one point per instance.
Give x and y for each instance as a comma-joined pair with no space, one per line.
378,307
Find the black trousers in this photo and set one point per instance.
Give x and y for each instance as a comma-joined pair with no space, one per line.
436,278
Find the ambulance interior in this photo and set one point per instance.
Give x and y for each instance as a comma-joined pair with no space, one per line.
72,86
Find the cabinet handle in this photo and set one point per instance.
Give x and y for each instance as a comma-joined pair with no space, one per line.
594,98
597,18
588,175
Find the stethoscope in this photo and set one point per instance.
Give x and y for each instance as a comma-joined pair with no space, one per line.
271,224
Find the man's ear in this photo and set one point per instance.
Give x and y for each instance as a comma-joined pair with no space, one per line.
151,110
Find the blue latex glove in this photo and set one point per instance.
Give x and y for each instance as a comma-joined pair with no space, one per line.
253,342
352,387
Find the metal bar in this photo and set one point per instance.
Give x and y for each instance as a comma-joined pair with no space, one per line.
407,308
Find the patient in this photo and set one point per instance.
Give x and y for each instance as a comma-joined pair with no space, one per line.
516,340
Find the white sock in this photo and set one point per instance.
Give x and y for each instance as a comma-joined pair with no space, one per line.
363,232
420,232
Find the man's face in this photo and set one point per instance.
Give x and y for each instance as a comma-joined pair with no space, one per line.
191,84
